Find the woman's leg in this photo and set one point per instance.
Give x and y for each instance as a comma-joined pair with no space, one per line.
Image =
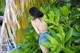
44,49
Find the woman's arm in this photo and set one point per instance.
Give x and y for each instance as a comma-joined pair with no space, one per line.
35,27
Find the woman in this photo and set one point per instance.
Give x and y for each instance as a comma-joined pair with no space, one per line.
40,26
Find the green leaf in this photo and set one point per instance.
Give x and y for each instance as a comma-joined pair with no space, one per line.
56,49
52,14
65,10
31,50
68,50
36,50
75,33
78,28
53,48
57,19
69,35
78,9
52,52
77,41
51,17
52,26
43,10
46,44
76,48
52,40
54,34
45,18
61,34
27,50
17,51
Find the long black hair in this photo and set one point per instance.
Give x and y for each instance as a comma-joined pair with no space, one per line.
35,12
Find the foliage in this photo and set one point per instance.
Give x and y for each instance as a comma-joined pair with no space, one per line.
21,12
2,6
63,29
63,23
30,44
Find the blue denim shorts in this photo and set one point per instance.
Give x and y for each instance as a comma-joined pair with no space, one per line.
43,37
